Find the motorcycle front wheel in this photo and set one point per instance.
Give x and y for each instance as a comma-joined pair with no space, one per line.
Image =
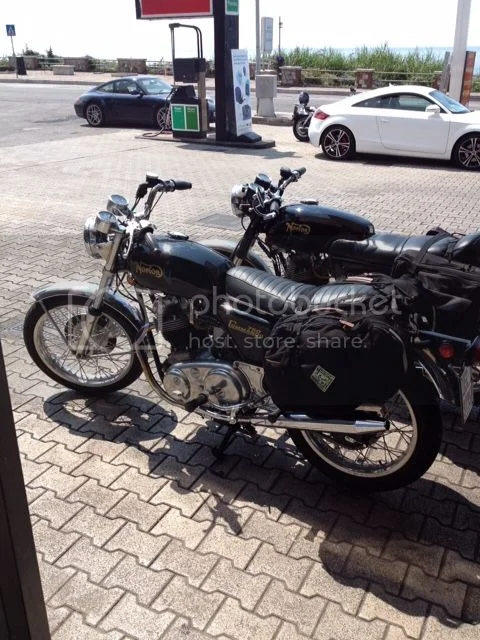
51,333
300,129
389,461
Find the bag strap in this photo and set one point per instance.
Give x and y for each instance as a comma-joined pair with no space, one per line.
431,241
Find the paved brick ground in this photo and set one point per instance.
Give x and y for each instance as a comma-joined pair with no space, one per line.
139,534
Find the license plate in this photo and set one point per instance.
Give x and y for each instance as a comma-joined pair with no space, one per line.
466,392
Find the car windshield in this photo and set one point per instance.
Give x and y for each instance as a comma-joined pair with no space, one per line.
154,86
449,103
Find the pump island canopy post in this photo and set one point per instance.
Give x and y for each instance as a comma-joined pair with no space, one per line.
233,121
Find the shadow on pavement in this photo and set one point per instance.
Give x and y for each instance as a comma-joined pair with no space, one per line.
409,547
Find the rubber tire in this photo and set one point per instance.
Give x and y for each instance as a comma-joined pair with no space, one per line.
161,129
350,153
296,132
423,400
34,314
455,158
102,121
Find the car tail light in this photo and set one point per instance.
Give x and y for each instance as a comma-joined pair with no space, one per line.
320,115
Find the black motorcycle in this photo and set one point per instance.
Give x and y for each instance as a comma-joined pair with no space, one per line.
313,244
302,115
161,286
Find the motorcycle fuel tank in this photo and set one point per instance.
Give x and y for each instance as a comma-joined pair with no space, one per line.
178,267
310,228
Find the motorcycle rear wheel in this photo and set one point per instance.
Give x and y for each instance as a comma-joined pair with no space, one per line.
300,131
51,332
390,461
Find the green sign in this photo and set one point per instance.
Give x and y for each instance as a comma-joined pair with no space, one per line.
231,7
185,117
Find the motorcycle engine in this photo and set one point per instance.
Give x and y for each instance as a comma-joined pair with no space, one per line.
224,385
306,269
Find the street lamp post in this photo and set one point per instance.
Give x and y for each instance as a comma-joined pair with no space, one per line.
257,26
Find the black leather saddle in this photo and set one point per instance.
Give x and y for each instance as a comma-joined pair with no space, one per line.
380,250
275,295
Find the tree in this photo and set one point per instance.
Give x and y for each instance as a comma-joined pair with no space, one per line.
29,52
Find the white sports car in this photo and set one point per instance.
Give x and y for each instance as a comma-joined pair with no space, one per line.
399,120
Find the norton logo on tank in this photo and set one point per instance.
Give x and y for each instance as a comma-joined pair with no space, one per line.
293,227
148,270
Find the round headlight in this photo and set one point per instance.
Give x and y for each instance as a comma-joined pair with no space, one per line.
237,199
97,244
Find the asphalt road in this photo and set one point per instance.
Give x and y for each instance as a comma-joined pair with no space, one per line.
36,112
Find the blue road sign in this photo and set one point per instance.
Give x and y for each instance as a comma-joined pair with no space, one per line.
10,29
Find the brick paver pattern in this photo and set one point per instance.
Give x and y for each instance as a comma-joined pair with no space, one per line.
140,532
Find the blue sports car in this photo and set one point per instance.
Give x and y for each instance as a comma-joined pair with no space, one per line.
129,100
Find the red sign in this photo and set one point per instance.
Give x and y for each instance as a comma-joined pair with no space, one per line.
467,84
148,9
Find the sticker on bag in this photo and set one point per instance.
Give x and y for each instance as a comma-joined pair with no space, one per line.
322,378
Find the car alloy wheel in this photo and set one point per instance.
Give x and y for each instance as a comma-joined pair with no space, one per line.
467,153
338,143
94,114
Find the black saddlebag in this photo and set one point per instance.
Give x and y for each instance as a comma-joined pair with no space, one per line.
326,362
452,288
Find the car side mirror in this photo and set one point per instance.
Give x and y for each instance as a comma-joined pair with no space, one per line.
433,108
136,92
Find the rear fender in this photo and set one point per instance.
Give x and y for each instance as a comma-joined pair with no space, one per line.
227,247
442,381
111,298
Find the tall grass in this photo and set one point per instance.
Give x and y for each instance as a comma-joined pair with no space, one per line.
380,58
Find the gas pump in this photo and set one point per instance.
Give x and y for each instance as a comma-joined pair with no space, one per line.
189,112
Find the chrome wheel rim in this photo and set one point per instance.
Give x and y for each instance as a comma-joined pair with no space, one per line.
94,114
109,355
337,143
469,153
381,455
302,130
163,118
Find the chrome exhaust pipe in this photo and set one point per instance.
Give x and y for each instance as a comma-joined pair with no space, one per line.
347,427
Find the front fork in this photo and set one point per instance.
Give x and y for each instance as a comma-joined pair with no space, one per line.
94,308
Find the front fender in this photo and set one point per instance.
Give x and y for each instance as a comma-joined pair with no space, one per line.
111,298
227,247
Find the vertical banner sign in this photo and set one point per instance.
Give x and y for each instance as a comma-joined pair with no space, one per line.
267,35
467,83
241,91
231,7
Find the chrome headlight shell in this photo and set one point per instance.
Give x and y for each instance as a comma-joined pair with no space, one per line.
97,244
237,200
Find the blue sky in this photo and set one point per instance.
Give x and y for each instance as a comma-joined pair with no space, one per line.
108,28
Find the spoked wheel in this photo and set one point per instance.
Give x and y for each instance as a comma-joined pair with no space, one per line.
94,115
338,143
52,333
466,153
163,118
300,129
383,462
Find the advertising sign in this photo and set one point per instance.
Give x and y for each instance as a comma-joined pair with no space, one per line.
241,91
267,35
231,7
148,9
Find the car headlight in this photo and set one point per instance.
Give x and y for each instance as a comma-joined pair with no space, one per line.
97,244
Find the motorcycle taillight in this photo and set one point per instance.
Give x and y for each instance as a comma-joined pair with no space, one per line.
320,115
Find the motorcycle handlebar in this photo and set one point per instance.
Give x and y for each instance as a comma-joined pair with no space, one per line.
181,185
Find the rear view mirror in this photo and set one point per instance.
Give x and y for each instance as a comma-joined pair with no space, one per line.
433,108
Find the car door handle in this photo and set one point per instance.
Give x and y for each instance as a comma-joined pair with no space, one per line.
384,120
